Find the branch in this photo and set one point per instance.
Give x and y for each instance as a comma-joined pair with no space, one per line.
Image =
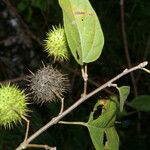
125,42
14,80
146,51
77,103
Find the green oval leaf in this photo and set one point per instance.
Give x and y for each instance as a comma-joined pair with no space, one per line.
141,103
83,30
123,92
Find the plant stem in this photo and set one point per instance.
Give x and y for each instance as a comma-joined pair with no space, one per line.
146,70
42,146
61,100
62,106
76,104
27,127
72,123
85,78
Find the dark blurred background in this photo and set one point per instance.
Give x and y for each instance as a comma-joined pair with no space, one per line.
23,27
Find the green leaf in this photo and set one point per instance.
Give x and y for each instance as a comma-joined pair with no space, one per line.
141,103
83,30
112,139
104,124
97,135
123,92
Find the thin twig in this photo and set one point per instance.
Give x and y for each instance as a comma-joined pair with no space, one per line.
61,99
147,48
14,80
125,42
77,103
62,106
146,70
27,127
46,147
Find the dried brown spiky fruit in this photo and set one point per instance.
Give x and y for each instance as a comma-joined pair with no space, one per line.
48,84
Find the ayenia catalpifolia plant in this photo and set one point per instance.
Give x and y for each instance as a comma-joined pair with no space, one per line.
83,34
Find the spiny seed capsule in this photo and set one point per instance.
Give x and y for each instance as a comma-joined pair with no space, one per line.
56,44
48,84
13,105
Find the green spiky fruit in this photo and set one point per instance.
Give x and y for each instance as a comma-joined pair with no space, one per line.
56,44
13,105
48,84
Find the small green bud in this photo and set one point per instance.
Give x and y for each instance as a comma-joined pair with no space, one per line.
56,44
13,105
